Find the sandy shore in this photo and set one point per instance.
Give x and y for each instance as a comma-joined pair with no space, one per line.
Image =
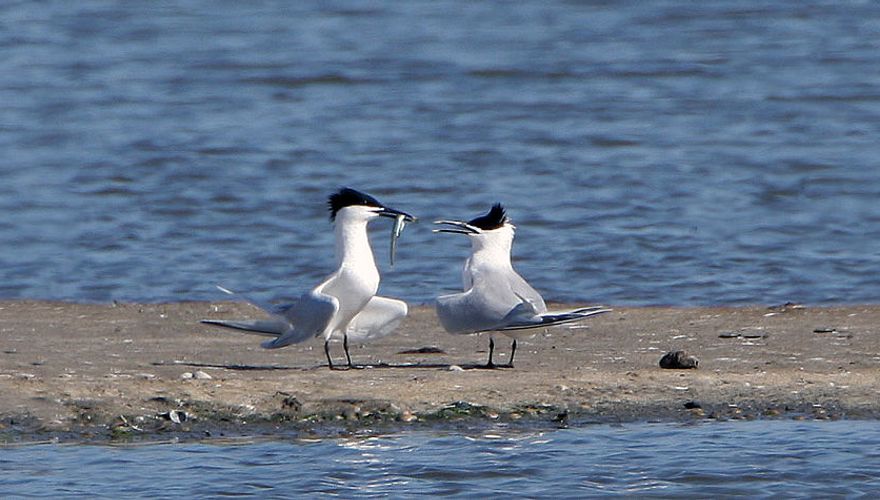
75,371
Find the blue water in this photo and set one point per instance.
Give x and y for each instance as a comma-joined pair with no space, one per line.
654,152
777,458
650,152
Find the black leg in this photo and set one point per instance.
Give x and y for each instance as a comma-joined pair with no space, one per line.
345,346
512,353
490,364
327,353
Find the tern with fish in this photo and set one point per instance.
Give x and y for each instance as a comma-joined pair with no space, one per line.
344,305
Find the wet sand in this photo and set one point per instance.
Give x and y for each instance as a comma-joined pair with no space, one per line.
82,371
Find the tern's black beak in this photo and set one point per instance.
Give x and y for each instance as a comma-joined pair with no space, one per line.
458,227
390,212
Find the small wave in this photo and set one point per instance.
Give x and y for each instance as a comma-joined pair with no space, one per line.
807,166
499,73
225,150
355,12
515,73
112,191
238,66
852,98
613,142
161,161
660,73
295,81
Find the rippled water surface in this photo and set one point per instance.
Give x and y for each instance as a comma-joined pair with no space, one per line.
787,458
649,152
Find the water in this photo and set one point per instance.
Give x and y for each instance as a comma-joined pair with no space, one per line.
788,458
650,152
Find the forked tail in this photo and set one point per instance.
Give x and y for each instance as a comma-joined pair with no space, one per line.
556,318
265,327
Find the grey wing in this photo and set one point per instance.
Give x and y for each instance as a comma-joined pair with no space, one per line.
453,311
269,308
553,318
493,302
478,309
307,318
274,326
525,292
467,280
267,327
380,317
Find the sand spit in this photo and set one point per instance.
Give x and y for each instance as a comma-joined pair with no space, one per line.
150,371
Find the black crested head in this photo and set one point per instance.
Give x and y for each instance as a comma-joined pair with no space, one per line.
496,218
347,197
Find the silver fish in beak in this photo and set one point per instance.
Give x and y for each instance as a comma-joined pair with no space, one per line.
396,231
400,220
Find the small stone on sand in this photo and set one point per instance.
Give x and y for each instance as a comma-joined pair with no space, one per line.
678,360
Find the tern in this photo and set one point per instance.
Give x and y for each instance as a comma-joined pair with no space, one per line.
495,297
345,304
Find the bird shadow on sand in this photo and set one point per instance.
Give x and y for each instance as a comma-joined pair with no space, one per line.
437,366
373,366
229,366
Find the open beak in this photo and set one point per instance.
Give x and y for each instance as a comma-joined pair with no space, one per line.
390,212
458,227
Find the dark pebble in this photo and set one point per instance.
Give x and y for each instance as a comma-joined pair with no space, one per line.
289,401
176,416
690,405
678,360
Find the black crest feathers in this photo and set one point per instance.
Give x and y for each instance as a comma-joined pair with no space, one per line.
496,218
347,197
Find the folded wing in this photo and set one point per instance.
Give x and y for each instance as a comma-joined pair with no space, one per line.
267,327
308,317
551,318
478,309
290,323
380,317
